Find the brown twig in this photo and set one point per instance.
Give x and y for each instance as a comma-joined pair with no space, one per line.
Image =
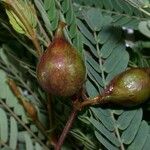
78,106
66,129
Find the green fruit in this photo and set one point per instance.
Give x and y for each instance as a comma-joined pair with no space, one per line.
61,70
130,88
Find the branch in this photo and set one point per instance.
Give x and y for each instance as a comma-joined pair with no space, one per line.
66,129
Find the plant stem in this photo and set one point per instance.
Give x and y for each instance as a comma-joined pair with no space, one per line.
66,129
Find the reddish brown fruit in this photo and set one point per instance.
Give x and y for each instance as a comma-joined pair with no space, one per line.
61,70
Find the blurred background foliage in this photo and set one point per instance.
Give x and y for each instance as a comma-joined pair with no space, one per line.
111,35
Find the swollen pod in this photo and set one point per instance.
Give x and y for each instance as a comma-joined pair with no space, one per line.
61,70
130,88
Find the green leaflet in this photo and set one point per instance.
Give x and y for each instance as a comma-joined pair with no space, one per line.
106,143
51,10
108,4
111,62
85,31
28,141
105,34
86,140
104,117
77,41
13,133
92,62
44,15
134,131
93,18
65,5
25,142
109,135
9,133
119,13
95,74
37,146
144,27
147,143
70,15
3,126
92,91
66,14
89,44
11,100
18,20
119,64
70,18
52,13
129,134
123,122
141,137
111,44
15,22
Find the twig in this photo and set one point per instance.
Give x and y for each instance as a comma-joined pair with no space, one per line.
78,106
66,129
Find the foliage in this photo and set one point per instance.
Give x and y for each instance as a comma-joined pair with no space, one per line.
99,29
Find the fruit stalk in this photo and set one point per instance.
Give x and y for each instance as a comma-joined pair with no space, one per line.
90,102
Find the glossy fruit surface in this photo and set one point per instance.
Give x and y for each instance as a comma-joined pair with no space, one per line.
61,70
130,88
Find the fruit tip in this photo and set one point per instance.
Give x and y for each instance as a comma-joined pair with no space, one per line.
61,24
59,31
